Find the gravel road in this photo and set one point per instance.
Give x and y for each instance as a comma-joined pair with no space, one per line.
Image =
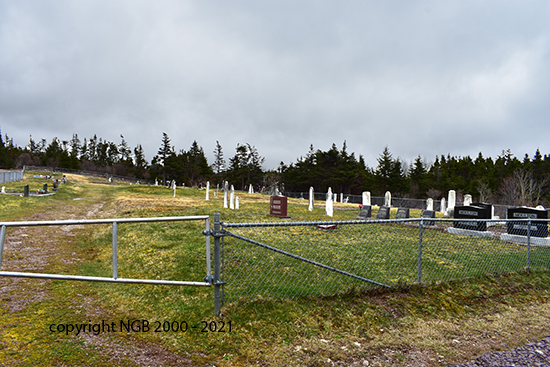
536,354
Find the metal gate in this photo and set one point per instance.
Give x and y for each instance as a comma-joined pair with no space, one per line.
209,279
291,259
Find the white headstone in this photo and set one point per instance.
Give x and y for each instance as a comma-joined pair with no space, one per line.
335,198
452,200
207,190
451,203
366,198
341,197
225,193
430,204
387,199
237,203
174,187
311,199
3,190
329,205
232,198
250,189
156,182
467,200
443,208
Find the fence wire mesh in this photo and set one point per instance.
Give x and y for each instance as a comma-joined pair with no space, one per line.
290,260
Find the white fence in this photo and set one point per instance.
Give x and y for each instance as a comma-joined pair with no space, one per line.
10,176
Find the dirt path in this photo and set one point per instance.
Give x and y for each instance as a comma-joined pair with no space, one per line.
33,249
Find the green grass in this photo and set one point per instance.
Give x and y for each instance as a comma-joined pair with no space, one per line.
329,316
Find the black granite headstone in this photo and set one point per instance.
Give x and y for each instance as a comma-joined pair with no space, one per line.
365,212
428,214
470,212
488,209
383,213
538,229
402,213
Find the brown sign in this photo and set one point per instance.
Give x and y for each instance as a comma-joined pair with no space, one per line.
277,206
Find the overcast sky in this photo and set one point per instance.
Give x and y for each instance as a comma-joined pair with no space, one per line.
420,77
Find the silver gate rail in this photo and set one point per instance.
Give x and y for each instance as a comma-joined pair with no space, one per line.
209,280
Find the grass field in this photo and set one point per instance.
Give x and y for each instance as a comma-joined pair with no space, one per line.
436,324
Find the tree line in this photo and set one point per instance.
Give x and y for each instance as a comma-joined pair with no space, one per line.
505,179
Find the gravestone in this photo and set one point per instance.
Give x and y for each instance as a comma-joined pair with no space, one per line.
402,213
366,198
237,203
232,198
278,206
428,214
250,189
55,185
383,213
467,200
443,208
387,199
470,212
225,193
430,204
207,190
26,191
451,203
341,197
366,211
537,229
156,182
310,208
489,209
45,188
3,190
329,209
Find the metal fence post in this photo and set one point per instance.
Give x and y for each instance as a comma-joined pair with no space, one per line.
420,228
217,265
529,245
2,239
115,254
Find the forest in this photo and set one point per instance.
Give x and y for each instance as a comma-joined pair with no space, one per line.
505,179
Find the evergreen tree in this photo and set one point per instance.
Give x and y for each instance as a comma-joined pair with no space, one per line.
164,154
389,174
125,152
418,178
219,163
3,153
140,163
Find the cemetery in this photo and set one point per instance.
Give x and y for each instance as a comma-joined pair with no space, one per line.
383,248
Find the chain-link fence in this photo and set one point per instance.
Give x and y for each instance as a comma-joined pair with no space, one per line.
293,259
